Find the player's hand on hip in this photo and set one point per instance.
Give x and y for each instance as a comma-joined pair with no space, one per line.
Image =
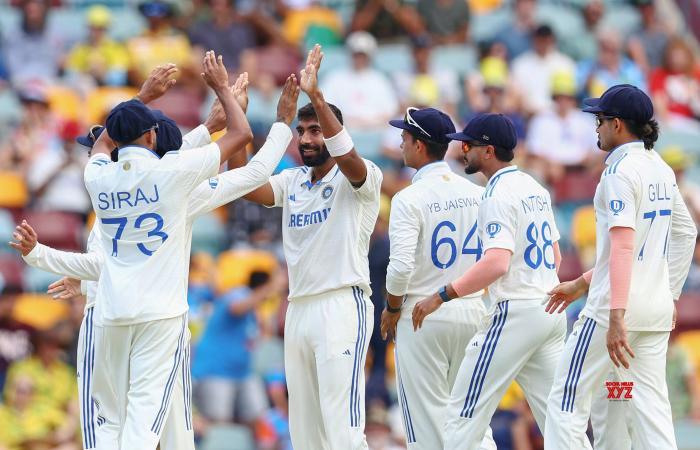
562,295
309,74
25,238
388,324
287,104
240,90
65,289
158,82
423,308
215,73
617,339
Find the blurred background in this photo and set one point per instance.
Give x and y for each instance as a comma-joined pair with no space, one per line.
65,63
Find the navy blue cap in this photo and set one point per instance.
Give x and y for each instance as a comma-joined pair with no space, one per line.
129,120
491,129
156,9
89,139
428,123
169,135
624,101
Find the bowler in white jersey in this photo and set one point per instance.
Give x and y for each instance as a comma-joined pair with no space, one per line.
519,266
434,239
141,305
330,206
209,195
645,238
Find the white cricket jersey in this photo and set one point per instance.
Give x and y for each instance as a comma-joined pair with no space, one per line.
516,214
638,190
141,208
326,227
433,233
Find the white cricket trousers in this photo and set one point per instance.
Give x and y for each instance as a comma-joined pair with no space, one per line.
583,369
177,431
427,362
518,341
137,372
325,344
610,420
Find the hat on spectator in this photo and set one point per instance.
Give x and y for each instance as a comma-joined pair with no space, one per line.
424,91
156,8
494,71
543,31
98,16
675,157
624,101
563,83
129,120
490,129
169,134
361,42
34,92
428,124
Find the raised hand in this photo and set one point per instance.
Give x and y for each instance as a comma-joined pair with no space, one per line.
240,90
215,73
309,74
65,289
25,238
287,104
158,83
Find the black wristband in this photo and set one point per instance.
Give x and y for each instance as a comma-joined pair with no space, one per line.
443,294
392,310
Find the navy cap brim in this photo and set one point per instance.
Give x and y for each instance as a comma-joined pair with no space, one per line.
401,124
84,140
460,137
592,105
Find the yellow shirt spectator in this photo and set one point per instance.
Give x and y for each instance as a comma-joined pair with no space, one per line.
35,423
54,385
157,48
107,54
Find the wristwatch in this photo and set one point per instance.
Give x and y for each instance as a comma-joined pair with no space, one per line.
442,292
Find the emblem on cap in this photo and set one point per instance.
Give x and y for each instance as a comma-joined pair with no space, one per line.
484,137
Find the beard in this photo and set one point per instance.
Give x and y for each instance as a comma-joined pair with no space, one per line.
469,168
316,160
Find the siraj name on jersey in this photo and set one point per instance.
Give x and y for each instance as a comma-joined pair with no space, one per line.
120,199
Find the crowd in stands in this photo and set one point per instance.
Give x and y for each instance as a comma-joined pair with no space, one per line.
65,63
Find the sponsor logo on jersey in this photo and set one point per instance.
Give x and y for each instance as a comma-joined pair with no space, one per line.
492,229
213,182
616,206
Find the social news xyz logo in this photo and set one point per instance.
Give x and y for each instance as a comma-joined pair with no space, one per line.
492,229
616,206
619,390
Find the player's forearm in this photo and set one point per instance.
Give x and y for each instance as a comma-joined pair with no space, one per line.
681,246
82,266
493,265
198,137
621,257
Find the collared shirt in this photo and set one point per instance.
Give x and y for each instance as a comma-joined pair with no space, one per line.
326,227
141,208
638,190
516,214
433,232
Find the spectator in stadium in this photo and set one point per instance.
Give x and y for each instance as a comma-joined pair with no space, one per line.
533,70
425,76
447,21
225,386
34,50
584,45
100,57
226,31
272,431
675,87
682,381
36,135
561,139
516,35
160,43
306,23
387,20
363,93
28,424
14,336
646,45
680,162
55,180
609,68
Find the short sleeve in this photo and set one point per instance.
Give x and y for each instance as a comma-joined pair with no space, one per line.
620,202
497,224
279,184
370,189
196,165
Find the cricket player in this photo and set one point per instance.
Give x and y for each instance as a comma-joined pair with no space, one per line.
141,305
519,266
208,195
330,206
645,240
434,239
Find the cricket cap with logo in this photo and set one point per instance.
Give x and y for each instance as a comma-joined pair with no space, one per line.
428,124
129,120
623,101
489,129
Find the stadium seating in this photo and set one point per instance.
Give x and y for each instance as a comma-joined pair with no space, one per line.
39,311
13,190
57,229
228,437
12,270
687,434
37,280
208,235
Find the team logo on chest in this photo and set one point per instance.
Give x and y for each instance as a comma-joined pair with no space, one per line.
213,182
326,192
616,206
492,229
